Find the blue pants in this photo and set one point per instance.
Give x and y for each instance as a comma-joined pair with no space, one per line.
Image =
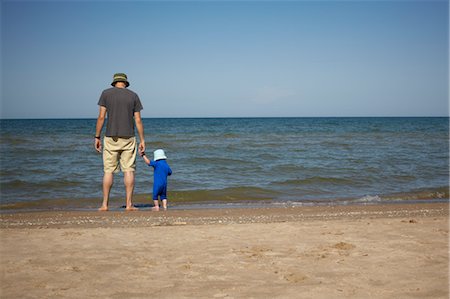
160,191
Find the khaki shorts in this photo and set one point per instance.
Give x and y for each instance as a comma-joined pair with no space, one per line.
119,149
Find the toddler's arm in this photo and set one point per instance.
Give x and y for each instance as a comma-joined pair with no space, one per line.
145,158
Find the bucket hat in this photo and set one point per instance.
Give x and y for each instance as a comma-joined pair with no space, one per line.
159,155
120,77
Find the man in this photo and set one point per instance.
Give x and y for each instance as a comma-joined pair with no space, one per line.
123,108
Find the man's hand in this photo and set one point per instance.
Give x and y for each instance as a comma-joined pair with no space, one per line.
98,145
141,148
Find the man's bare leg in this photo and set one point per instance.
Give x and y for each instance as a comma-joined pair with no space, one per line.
128,178
164,204
108,180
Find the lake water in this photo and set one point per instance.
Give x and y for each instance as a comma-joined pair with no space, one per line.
46,163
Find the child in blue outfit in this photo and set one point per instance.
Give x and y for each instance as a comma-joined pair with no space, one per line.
161,172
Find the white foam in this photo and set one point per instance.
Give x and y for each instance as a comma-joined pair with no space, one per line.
369,198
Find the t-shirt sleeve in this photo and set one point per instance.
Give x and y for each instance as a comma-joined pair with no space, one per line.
137,104
102,100
152,163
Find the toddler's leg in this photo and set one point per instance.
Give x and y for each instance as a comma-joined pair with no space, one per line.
156,207
164,204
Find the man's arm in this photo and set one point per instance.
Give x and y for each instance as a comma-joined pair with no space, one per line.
140,129
98,128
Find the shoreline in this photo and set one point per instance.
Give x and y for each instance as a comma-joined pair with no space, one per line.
248,197
205,216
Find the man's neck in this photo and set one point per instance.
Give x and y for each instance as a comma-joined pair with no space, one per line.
120,85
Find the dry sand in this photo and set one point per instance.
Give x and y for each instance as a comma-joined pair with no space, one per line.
380,251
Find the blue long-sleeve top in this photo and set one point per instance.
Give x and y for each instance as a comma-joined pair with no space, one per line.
161,172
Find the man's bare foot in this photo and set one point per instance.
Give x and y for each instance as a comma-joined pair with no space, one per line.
103,209
155,209
132,208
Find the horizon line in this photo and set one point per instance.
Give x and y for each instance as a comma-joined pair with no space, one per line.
229,117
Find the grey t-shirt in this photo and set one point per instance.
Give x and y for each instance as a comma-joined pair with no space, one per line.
120,103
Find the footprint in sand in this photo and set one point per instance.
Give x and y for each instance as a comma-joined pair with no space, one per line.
255,251
294,277
343,246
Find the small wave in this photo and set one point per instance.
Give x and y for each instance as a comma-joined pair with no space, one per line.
161,144
316,180
230,135
52,204
266,157
17,184
369,198
40,171
224,195
219,161
420,194
290,168
413,195
14,140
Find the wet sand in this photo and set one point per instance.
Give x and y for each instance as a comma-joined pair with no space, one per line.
373,251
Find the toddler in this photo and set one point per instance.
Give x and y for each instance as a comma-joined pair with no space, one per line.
161,172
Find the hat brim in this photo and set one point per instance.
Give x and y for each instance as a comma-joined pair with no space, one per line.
115,81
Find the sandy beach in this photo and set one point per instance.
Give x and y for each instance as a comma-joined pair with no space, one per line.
373,251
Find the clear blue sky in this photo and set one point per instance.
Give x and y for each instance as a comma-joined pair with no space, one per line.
231,58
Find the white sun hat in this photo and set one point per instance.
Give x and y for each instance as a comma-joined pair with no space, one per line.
159,155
